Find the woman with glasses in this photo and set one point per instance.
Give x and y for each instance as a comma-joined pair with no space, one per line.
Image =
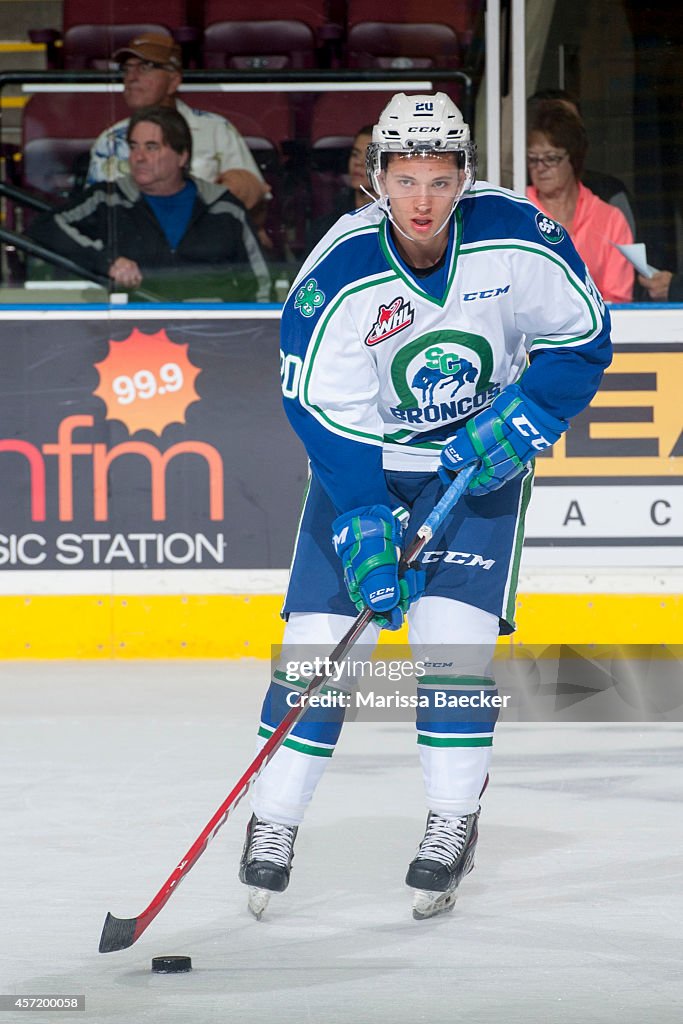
556,150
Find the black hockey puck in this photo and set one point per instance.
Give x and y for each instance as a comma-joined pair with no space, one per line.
171,964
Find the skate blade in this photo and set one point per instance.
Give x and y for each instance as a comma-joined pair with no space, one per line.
258,901
428,904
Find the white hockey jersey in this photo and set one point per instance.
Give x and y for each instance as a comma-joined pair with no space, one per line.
381,364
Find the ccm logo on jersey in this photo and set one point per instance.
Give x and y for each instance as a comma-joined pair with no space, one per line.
391,319
458,558
488,293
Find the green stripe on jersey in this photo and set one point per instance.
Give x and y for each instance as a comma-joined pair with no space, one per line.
475,247
341,238
513,572
413,284
319,335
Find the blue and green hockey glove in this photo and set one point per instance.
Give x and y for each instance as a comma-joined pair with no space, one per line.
368,541
503,439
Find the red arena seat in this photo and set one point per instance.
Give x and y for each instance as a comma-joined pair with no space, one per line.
337,116
263,119
92,30
336,119
409,33
270,34
57,132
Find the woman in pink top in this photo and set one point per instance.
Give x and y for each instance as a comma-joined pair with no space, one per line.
556,152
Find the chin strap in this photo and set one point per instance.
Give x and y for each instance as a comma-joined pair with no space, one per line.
385,206
371,195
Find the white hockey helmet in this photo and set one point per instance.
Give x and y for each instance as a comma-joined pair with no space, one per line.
420,126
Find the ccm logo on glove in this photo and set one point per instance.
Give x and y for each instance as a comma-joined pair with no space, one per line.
526,428
368,541
503,439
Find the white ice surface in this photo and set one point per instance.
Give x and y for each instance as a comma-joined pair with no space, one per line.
109,771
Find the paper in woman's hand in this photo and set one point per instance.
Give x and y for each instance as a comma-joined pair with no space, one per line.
637,255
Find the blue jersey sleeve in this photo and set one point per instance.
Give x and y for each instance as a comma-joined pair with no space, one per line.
329,383
564,380
566,322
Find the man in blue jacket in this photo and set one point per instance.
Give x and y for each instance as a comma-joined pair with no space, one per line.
184,237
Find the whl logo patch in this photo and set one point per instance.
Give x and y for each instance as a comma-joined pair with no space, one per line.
391,319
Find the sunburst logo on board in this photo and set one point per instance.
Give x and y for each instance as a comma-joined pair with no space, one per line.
147,381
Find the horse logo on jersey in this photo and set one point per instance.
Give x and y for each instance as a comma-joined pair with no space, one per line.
442,370
309,298
391,319
442,377
549,229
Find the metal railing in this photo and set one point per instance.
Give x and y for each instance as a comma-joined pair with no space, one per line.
291,81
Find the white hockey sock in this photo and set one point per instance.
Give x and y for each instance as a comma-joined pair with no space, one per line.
462,639
454,778
285,787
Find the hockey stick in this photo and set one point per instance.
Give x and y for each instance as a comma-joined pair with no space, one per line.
119,933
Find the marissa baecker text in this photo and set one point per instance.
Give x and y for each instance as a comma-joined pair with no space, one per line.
435,699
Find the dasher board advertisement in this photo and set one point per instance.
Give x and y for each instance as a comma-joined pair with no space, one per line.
161,444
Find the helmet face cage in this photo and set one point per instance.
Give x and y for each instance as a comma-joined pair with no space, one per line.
377,161
420,126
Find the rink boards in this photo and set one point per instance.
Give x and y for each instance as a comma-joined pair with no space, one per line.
151,488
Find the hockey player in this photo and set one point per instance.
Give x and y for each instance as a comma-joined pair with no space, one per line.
445,324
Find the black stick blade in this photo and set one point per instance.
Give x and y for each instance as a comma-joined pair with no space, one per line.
118,933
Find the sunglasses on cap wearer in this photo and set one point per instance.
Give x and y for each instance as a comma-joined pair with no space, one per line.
143,66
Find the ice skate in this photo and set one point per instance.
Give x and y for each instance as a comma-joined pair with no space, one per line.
444,857
266,861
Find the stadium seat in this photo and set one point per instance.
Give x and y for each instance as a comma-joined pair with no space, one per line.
409,33
265,121
337,116
269,35
92,46
335,121
92,30
57,132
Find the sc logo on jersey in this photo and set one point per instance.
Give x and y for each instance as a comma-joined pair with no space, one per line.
549,229
442,369
442,376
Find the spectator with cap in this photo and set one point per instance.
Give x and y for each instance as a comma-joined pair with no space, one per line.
183,237
152,72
